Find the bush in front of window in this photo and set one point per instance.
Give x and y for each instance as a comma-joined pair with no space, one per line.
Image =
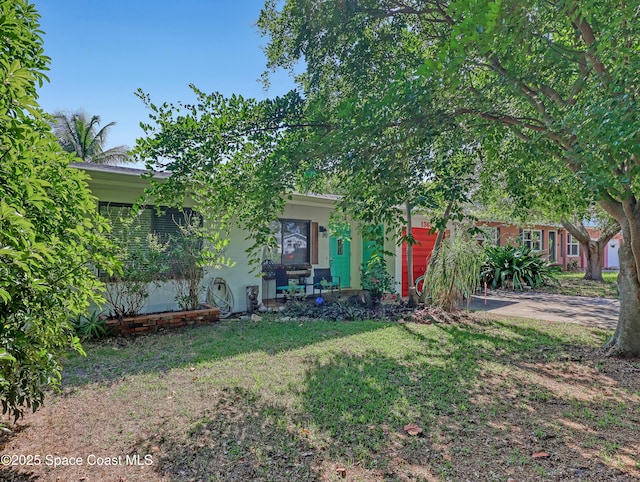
193,249
143,261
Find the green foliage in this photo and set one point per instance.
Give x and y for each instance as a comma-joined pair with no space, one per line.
454,273
295,292
50,232
375,277
143,262
82,136
573,265
514,266
550,86
190,252
91,327
225,154
347,311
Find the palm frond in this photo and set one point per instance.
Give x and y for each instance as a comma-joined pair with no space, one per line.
82,135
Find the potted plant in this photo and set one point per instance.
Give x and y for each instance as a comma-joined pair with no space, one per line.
376,279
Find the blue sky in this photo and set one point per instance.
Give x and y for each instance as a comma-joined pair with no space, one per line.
101,52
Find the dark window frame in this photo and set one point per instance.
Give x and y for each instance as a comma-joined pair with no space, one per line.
302,264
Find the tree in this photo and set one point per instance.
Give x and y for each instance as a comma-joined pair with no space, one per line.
226,155
593,249
516,187
50,232
561,76
82,136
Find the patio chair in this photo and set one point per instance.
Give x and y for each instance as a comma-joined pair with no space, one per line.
323,280
282,284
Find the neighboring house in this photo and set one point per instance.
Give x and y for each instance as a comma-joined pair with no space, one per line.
304,241
553,241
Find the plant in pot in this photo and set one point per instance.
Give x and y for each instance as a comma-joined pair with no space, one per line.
376,279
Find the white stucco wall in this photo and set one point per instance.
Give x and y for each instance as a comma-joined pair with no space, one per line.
125,186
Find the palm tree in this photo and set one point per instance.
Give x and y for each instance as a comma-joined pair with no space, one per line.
81,135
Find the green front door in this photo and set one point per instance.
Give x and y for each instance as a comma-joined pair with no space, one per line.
372,242
340,260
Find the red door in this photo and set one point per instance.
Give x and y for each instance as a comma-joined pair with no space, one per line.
421,254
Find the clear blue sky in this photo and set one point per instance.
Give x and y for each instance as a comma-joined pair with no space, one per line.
101,52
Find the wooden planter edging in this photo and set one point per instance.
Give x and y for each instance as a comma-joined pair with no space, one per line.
170,319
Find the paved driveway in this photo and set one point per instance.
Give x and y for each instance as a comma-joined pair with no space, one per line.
599,312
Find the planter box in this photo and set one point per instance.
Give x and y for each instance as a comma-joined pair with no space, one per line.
152,322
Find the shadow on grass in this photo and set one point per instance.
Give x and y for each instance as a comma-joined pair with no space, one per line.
114,358
13,475
475,421
242,440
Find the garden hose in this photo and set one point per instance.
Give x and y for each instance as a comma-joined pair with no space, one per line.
219,294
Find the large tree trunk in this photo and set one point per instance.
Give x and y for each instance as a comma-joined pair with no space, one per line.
593,249
594,254
626,339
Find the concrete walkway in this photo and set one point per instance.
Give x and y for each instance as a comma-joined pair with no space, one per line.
597,312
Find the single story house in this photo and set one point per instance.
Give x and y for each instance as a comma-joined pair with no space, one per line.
306,243
304,239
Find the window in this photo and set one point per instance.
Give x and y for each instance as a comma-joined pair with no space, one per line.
163,223
573,246
489,236
532,239
292,237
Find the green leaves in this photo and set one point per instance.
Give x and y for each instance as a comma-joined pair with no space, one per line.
227,154
512,267
49,228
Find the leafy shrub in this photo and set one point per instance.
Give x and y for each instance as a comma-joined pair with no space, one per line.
513,267
190,251
376,278
143,261
454,273
572,265
90,327
346,311
50,231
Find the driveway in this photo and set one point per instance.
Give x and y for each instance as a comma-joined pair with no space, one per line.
597,312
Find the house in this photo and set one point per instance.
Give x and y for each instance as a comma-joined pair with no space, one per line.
302,233
553,241
305,242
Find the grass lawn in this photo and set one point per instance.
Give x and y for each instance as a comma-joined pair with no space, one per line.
323,400
571,283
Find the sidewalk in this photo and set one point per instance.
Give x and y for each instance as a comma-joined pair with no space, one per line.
597,312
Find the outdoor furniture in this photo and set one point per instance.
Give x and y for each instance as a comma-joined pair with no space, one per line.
282,283
323,280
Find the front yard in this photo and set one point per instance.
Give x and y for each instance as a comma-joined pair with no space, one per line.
573,284
322,400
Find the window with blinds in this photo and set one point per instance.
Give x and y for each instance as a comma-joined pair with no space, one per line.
164,222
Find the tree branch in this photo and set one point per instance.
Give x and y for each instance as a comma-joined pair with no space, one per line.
589,38
578,232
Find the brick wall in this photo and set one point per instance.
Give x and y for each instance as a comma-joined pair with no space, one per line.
153,322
